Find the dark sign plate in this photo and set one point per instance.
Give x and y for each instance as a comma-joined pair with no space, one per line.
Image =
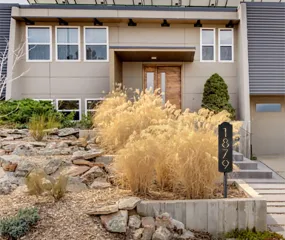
225,147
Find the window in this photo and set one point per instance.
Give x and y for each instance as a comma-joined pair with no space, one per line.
96,44
226,42
207,44
268,107
38,43
67,44
67,106
92,104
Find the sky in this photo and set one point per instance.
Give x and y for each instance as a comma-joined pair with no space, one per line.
14,1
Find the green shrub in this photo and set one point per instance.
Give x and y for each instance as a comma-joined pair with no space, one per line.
20,111
67,120
85,122
216,97
253,235
38,182
17,226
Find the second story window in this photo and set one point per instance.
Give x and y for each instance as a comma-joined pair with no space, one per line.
38,43
67,44
226,42
96,44
207,45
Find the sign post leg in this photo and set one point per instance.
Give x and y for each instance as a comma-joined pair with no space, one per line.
225,185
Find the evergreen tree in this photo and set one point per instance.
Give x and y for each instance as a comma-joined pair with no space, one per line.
216,96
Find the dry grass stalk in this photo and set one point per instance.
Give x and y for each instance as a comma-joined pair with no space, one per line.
163,147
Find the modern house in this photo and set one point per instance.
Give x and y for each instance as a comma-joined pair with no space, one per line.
77,50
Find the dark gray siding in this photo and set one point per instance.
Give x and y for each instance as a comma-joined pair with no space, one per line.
5,16
266,47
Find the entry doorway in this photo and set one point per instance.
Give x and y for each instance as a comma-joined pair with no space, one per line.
167,78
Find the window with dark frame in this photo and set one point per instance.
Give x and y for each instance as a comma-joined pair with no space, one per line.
67,106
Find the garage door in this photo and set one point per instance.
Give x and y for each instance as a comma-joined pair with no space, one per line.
268,125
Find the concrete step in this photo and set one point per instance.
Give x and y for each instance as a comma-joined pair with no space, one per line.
276,219
275,204
278,229
268,186
238,157
270,191
249,174
277,210
273,198
246,164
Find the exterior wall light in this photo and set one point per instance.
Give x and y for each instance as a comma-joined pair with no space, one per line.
198,24
132,23
230,24
165,23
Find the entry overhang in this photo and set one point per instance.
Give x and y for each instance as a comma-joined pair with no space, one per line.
154,54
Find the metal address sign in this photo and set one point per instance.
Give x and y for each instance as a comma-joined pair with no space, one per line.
225,151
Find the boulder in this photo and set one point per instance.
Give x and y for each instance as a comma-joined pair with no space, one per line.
52,166
116,222
24,168
91,174
134,221
67,132
8,183
74,184
128,203
75,171
137,235
100,183
164,220
25,150
162,233
104,210
179,227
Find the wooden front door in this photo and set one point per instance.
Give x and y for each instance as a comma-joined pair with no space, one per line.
168,79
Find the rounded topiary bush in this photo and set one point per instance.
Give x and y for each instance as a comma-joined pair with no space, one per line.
216,97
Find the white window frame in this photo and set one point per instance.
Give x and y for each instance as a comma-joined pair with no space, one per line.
226,45
107,43
69,99
211,45
49,44
75,44
90,99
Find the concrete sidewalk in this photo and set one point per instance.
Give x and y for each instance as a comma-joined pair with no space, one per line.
275,162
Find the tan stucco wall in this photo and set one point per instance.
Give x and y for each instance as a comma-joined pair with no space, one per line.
90,80
194,74
268,128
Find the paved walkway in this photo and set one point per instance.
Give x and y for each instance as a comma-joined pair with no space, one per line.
273,190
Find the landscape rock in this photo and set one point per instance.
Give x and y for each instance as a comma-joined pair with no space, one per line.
9,147
116,222
134,221
52,131
49,152
38,144
8,183
67,132
81,142
82,162
128,203
74,184
148,233
148,222
10,159
9,167
137,235
162,233
77,155
100,183
91,174
187,235
52,166
62,145
179,227
24,150
2,152
104,210
18,131
92,154
75,171
24,168
51,145
65,151
164,220
106,159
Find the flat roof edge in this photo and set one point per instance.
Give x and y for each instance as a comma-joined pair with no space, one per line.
124,7
153,47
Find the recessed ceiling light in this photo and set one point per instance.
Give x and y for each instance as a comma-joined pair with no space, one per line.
153,58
